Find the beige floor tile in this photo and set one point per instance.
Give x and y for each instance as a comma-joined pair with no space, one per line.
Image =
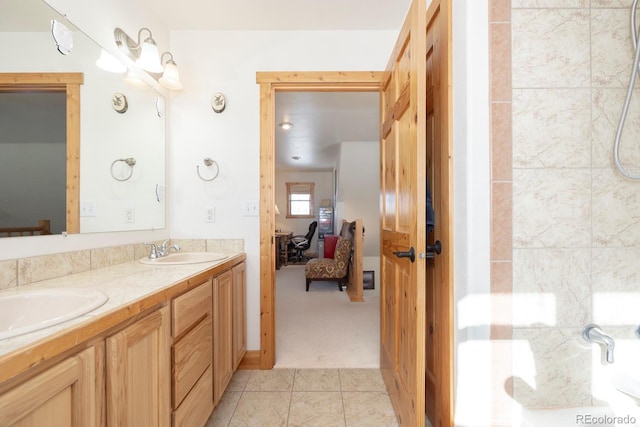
316,409
317,380
368,409
361,380
223,412
258,409
239,380
271,380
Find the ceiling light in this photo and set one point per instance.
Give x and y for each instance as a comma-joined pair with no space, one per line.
296,157
285,125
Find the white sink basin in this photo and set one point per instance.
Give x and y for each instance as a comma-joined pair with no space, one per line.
185,258
27,311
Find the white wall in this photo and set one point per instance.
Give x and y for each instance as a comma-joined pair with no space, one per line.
227,61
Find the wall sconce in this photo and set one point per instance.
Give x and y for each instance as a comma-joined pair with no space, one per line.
108,63
170,78
145,52
146,55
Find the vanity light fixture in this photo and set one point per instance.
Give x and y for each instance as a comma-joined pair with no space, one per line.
144,52
109,63
134,80
170,78
285,125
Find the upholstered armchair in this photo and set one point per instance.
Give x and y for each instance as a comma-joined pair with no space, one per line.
333,270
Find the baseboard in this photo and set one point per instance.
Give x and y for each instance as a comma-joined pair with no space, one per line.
250,361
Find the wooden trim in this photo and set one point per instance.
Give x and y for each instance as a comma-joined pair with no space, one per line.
322,80
250,361
73,158
270,82
70,84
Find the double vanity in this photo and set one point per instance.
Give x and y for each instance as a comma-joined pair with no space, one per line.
144,343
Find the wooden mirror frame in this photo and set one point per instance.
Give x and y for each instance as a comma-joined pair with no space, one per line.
68,83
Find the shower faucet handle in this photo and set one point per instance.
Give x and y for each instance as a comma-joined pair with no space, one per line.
593,334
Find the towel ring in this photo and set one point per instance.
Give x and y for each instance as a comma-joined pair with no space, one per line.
130,161
208,162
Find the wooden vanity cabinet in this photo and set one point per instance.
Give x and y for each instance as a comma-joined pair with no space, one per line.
192,374
239,313
63,395
138,373
222,333
229,326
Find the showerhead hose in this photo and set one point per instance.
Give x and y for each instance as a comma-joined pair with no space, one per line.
635,69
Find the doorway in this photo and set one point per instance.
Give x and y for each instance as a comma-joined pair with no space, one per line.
331,144
270,83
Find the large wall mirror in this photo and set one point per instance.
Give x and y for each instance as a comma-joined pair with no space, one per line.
103,173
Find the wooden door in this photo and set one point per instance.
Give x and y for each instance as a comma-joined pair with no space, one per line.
139,373
439,283
403,195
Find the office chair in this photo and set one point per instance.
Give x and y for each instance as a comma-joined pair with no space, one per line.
300,243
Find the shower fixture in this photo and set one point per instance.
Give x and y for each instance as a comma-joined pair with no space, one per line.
635,69
593,334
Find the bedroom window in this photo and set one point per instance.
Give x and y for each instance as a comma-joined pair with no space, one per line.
300,200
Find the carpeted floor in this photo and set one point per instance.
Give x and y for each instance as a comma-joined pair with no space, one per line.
322,328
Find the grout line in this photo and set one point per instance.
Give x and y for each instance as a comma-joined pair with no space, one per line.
295,372
344,410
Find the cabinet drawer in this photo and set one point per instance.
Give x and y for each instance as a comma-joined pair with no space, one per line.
190,307
198,405
191,357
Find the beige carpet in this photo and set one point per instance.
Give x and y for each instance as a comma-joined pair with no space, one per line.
322,328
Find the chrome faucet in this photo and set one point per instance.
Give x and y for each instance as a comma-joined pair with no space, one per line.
164,249
593,334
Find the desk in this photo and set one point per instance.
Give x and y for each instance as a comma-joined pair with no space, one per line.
282,245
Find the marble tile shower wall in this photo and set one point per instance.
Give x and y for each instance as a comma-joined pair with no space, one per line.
17,272
576,221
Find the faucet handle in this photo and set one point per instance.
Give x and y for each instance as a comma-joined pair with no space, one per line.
154,250
164,244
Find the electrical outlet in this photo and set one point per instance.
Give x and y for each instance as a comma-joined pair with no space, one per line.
251,208
210,214
88,209
129,215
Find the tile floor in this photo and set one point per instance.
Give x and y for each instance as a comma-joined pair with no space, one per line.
305,397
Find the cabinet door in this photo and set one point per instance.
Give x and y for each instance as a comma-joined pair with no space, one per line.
64,395
222,333
138,373
239,313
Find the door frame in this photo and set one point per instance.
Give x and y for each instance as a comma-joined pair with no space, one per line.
68,83
270,83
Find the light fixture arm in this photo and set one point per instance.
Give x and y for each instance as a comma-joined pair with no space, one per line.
140,34
169,61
